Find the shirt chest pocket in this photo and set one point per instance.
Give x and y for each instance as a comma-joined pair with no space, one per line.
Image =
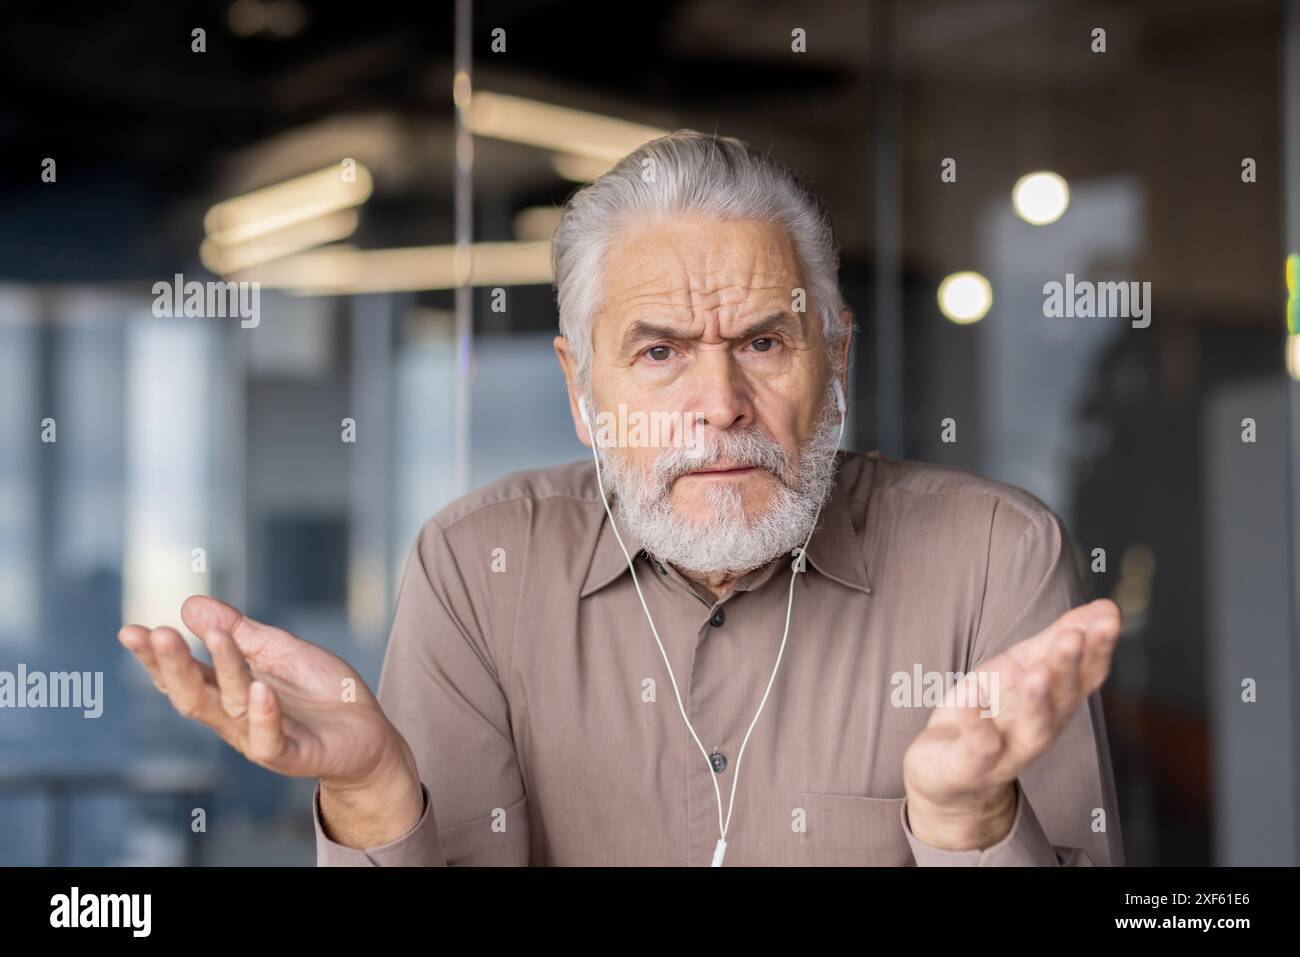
846,830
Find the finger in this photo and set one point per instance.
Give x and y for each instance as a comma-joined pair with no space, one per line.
191,691
1102,637
1027,720
1087,615
135,639
266,739
202,613
981,746
233,676
1065,690
1093,617
973,691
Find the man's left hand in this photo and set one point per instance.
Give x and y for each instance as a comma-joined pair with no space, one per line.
960,772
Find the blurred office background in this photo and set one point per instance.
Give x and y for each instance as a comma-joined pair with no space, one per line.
184,434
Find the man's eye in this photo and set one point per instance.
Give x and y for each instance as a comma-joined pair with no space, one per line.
763,345
659,353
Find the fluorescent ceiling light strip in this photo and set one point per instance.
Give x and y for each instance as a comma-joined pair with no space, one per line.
558,128
286,204
344,270
221,259
579,169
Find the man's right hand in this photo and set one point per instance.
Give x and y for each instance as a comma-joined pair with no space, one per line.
293,708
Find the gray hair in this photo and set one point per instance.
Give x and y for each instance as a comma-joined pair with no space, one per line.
692,173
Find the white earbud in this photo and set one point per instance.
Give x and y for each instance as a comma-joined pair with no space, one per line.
582,412
839,397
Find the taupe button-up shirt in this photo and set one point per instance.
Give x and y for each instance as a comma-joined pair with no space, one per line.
524,676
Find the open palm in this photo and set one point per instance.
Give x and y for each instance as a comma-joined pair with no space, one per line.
1040,684
284,703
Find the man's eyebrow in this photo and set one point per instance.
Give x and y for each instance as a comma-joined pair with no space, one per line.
642,331
776,322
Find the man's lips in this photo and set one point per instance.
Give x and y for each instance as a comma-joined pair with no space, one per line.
725,471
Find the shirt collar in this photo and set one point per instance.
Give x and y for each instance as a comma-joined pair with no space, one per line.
834,550
608,561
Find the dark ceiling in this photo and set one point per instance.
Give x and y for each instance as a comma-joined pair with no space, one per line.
147,134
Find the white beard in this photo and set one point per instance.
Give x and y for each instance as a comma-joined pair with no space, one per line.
726,540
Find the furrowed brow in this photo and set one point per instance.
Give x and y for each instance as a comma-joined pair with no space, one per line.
642,331
777,322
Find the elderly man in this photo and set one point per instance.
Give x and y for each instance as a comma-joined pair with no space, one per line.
735,645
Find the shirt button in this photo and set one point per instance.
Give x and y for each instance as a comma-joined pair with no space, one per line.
718,618
718,760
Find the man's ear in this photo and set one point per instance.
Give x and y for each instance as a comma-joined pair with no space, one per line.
569,365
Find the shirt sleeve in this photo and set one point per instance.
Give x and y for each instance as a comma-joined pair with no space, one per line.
417,848
1066,809
1024,845
441,688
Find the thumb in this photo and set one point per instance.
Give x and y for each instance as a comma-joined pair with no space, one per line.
982,743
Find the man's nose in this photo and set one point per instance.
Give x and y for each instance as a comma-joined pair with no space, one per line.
721,400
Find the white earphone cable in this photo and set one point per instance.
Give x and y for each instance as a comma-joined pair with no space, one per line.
723,824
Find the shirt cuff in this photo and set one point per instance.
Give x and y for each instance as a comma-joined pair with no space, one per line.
1024,846
418,847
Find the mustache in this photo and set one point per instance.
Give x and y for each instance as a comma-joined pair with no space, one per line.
745,448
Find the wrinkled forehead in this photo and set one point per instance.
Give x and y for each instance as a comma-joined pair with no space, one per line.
698,273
